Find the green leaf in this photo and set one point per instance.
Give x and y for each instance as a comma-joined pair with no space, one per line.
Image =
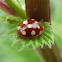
47,38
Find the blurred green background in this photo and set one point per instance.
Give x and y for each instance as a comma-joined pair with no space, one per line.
11,54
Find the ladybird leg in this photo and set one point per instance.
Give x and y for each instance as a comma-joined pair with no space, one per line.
13,44
19,41
21,48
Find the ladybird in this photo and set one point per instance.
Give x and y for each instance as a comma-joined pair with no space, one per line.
30,28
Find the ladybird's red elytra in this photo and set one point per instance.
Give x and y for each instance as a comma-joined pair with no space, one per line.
30,28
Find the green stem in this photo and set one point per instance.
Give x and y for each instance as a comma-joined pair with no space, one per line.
14,4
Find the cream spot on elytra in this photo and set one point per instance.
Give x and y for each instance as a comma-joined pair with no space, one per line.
29,26
38,26
25,22
33,33
36,22
23,32
18,28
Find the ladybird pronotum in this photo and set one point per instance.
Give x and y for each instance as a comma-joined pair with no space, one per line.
30,28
